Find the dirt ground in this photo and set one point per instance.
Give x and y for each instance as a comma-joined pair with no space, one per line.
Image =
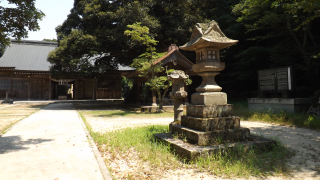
11,114
304,143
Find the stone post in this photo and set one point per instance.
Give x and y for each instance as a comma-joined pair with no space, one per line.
178,94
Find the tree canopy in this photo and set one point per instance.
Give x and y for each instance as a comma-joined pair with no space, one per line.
96,27
146,62
16,22
284,32
271,33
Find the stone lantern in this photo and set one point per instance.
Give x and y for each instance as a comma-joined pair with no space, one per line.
209,122
206,40
178,94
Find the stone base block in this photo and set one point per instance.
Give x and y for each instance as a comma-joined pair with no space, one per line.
7,101
62,97
190,152
212,137
209,98
290,105
210,124
210,111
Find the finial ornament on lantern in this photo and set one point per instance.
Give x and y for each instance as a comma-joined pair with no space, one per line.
206,40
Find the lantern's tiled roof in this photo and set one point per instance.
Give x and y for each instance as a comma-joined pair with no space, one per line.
207,34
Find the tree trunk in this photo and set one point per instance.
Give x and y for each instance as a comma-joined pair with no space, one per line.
301,48
160,99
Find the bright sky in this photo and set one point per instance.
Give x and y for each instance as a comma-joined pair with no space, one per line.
56,12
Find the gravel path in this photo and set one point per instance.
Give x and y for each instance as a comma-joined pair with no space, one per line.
305,143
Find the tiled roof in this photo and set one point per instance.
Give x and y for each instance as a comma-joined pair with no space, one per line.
28,55
32,56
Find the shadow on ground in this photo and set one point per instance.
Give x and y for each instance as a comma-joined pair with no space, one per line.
14,143
60,106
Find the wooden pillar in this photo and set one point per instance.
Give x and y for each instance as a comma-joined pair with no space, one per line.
41,88
84,89
11,88
29,86
154,98
75,90
138,90
49,88
93,89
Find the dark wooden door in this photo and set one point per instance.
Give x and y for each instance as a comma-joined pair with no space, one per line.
40,89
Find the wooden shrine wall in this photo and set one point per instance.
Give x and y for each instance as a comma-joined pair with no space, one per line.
108,93
21,86
36,87
40,89
84,89
109,87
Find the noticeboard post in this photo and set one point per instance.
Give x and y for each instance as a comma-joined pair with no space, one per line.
275,80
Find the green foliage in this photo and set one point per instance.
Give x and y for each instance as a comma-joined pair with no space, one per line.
16,22
105,22
75,44
313,122
146,63
126,85
2,49
296,7
271,34
286,29
245,163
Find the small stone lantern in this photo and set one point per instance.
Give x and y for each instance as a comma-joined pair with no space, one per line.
178,94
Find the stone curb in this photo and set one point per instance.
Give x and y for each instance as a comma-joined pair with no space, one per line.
102,165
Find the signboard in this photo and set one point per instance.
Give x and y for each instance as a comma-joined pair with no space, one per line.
276,79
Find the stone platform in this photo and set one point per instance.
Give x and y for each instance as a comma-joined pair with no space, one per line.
204,138
190,151
210,111
210,124
290,105
7,101
208,129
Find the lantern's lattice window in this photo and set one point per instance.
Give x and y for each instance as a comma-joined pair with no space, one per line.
211,55
201,55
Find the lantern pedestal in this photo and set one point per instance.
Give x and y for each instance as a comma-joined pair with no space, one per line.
209,98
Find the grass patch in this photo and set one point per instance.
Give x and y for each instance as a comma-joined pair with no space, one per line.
153,159
283,118
126,113
10,115
242,163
